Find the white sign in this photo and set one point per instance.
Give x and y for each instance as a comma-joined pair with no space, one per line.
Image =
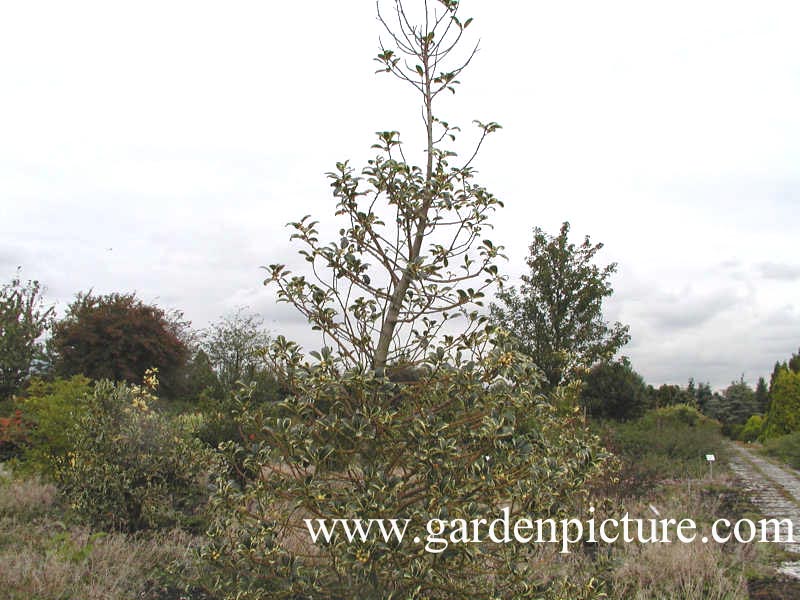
710,457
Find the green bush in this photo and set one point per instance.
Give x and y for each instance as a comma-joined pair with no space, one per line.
666,443
678,413
131,468
752,429
451,445
53,409
614,391
785,448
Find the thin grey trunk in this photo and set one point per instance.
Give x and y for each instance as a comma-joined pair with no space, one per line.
398,296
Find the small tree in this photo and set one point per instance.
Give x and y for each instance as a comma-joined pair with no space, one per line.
556,316
466,434
762,396
615,391
118,337
784,411
23,320
235,347
411,237
740,403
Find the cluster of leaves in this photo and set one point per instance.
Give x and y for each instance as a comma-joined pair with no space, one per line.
464,441
129,467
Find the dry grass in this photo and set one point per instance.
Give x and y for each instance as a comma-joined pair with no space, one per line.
77,565
26,498
689,571
42,558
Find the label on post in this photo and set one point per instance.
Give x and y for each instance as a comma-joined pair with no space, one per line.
710,457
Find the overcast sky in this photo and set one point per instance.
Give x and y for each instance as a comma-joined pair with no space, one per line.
160,147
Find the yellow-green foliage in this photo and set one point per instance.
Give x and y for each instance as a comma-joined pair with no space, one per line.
752,429
53,408
784,411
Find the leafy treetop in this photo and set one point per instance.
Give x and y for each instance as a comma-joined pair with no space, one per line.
411,253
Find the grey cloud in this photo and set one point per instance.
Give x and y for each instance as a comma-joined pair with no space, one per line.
778,271
681,312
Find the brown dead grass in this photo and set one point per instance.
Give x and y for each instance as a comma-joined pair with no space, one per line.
42,558
676,570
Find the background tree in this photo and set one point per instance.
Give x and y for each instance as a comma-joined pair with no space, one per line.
794,362
199,378
613,390
740,403
556,316
23,320
235,346
669,395
704,396
762,396
118,337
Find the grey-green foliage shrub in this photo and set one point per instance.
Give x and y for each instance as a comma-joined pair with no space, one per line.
131,468
463,441
665,443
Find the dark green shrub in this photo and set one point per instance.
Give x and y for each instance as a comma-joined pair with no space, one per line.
732,430
131,468
614,391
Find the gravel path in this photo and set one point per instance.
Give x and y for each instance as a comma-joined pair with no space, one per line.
774,489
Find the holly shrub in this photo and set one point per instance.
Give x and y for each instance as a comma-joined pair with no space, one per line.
465,441
130,467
